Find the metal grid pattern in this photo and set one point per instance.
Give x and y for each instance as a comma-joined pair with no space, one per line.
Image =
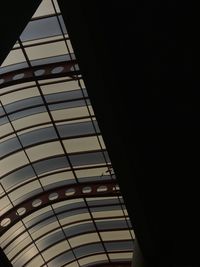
49,138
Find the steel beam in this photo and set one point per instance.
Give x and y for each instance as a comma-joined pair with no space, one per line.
89,189
41,72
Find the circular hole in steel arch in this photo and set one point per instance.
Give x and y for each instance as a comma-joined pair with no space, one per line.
102,188
5,222
87,189
74,67
18,76
57,70
36,203
70,192
53,196
21,211
1,81
39,72
116,188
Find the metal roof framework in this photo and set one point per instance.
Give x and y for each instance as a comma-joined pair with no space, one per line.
50,140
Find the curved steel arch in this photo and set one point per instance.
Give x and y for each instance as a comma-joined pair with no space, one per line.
89,189
48,71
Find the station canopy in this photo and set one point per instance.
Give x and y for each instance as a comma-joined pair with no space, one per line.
60,204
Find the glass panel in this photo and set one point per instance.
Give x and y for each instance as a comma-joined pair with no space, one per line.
111,224
105,202
37,261
38,135
48,39
64,96
15,56
107,213
102,142
25,256
76,120
84,239
9,146
88,249
38,216
13,162
82,83
57,180
2,113
34,127
57,163
6,138
48,60
91,260
119,246
13,67
19,95
68,217
18,177
101,207
54,80
62,23
10,234
14,87
5,205
1,191
3,119
41,28
92,174
115,235
31,120
69,205
55,250
27,104
73,264
79,228
87,159
73,129
44,150
70,113
25,192
42,228
67,105
69,46
62,259
18,244
121,256
81,144
27,112
60,87
6,129
46,50
45,8
56,6
50,239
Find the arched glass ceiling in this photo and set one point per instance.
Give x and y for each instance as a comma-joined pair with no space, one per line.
60,203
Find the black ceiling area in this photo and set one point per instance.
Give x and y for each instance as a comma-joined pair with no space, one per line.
14,18
137,61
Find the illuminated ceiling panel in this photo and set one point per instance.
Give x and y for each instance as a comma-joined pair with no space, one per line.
60,202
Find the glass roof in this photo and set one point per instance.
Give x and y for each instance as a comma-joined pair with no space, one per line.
59,198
